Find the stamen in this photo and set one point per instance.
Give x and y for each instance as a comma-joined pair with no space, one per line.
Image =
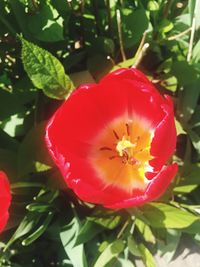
116,135
106,148
125,155
127,129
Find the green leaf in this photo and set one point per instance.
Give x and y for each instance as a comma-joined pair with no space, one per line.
171,84
88,231
134,23
40,230
191,175
68,237
123,263
107,219
179,128
189,99
7,142
145,230
26,225
103,45
196,53
46,25
9,105
185,73
45,71
195,139
18,9
133,246
168,248
147,257
165,26
152,5
112,251
39,207
61,6
185,189
162,215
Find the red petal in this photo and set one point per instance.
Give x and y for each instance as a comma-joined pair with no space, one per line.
161,181
91,107
155,189
164,141
87,111
3,220
130,74
5,199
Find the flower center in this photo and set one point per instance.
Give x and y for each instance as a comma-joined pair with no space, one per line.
121,152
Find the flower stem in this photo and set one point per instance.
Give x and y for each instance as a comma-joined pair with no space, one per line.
122,229
179,35
120,35
189,56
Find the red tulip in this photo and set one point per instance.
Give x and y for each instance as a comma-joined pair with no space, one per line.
111,140
5,199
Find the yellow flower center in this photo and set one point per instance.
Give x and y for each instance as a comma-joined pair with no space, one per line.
124,146
120,154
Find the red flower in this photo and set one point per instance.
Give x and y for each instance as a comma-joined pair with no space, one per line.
111,140
5,199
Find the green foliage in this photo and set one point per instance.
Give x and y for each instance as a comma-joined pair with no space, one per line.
41,41
45,71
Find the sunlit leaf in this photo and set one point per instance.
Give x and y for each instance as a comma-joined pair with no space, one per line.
45,71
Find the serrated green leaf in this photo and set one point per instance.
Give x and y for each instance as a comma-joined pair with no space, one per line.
45,71
166,216
112,251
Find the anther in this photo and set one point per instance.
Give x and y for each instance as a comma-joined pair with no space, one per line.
133,161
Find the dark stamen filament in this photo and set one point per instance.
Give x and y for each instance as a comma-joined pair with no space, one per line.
127,129
106,148
116,135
